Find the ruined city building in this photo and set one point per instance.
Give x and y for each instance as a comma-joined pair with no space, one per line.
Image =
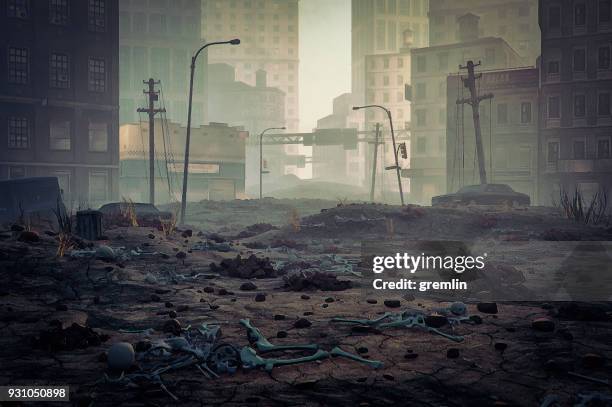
576,83
59,95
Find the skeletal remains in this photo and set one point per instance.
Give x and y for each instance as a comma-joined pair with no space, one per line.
455,314
198,347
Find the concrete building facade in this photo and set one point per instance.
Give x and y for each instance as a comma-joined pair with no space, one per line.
269,31
59,94
516,21
576,84
509,125
378,27
430,68
157,40
216,162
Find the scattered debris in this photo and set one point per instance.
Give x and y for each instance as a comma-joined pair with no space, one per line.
314,280
251,267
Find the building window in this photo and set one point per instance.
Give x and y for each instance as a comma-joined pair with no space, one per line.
526,112
97,15
58,12
579,60
98,137
603,104
59,135
18,65
421,146
553,67
98,186
553,152
17,172
604,11
443,61
18,8
603,148
502,113
385,80
421,91
580,14
386,63
603,58
554,111
421,117
59,71
18,132
97,75
579,150
579,106
400,62
421,63
554,17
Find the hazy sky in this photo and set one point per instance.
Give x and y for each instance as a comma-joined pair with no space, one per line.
325,57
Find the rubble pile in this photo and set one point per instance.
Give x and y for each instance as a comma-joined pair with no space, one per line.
251,267
315,280
73,337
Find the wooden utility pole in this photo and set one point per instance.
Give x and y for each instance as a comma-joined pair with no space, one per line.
474,101
151,111
374,163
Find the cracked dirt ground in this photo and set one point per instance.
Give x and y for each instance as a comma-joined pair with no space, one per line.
503,361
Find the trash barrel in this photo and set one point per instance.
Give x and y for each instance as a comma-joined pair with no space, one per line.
89,224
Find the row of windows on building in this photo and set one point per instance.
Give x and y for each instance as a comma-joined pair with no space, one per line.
403,7
579,61
386,63
386,80
60,135
579,105
59,70
259,4
98,183
159,24
59,12
502,117
578,150
441,60
604,14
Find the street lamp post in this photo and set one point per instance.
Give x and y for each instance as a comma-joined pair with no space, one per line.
397,167
261,157
235,41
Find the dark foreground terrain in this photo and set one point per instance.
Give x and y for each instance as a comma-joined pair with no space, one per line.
59,316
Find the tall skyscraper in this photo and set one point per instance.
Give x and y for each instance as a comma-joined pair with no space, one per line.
157,39
269,34
378,27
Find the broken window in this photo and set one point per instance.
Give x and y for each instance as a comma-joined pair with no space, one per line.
59,71
18,8
18,132
58,12
97,75
98,137
59,135
97,15
18,65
